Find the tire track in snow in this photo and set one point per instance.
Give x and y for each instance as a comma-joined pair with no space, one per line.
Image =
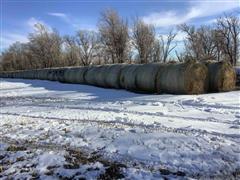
146,128
158,114
51,100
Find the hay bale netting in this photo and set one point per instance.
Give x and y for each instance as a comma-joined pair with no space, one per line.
182,78
112,75
146,76
95,76
221,76
128,77
74,75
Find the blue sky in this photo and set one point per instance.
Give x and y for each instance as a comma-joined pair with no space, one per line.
19,16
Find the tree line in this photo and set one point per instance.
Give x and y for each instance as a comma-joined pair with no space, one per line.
117,42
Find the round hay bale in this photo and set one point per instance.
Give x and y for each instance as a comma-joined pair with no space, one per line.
112,75
182,78
221,76
128,77
12,75
6,74
73,75
23,74
95,76
30,74
17,74
51,74
60,74
42,74
36,76
146,76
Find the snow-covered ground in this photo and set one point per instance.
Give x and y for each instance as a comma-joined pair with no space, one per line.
43,125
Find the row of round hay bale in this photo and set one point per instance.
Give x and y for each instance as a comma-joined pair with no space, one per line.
73,75
182,78
221,76
176,78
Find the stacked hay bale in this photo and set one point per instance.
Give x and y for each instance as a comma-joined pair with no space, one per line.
221,76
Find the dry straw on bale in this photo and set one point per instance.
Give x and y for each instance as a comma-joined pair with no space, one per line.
221,76
182,78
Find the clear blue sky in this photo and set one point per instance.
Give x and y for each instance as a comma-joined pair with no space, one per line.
19,16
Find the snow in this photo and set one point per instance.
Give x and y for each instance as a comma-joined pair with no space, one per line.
198,135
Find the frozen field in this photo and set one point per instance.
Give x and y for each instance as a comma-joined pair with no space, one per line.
49,129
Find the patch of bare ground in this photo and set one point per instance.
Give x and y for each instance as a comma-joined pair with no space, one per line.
13,164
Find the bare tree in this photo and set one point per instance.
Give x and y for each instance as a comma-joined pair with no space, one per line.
71,51
228,28
88,45
16,58
166,46
184,56
114,35
45,47
200,42
143,40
